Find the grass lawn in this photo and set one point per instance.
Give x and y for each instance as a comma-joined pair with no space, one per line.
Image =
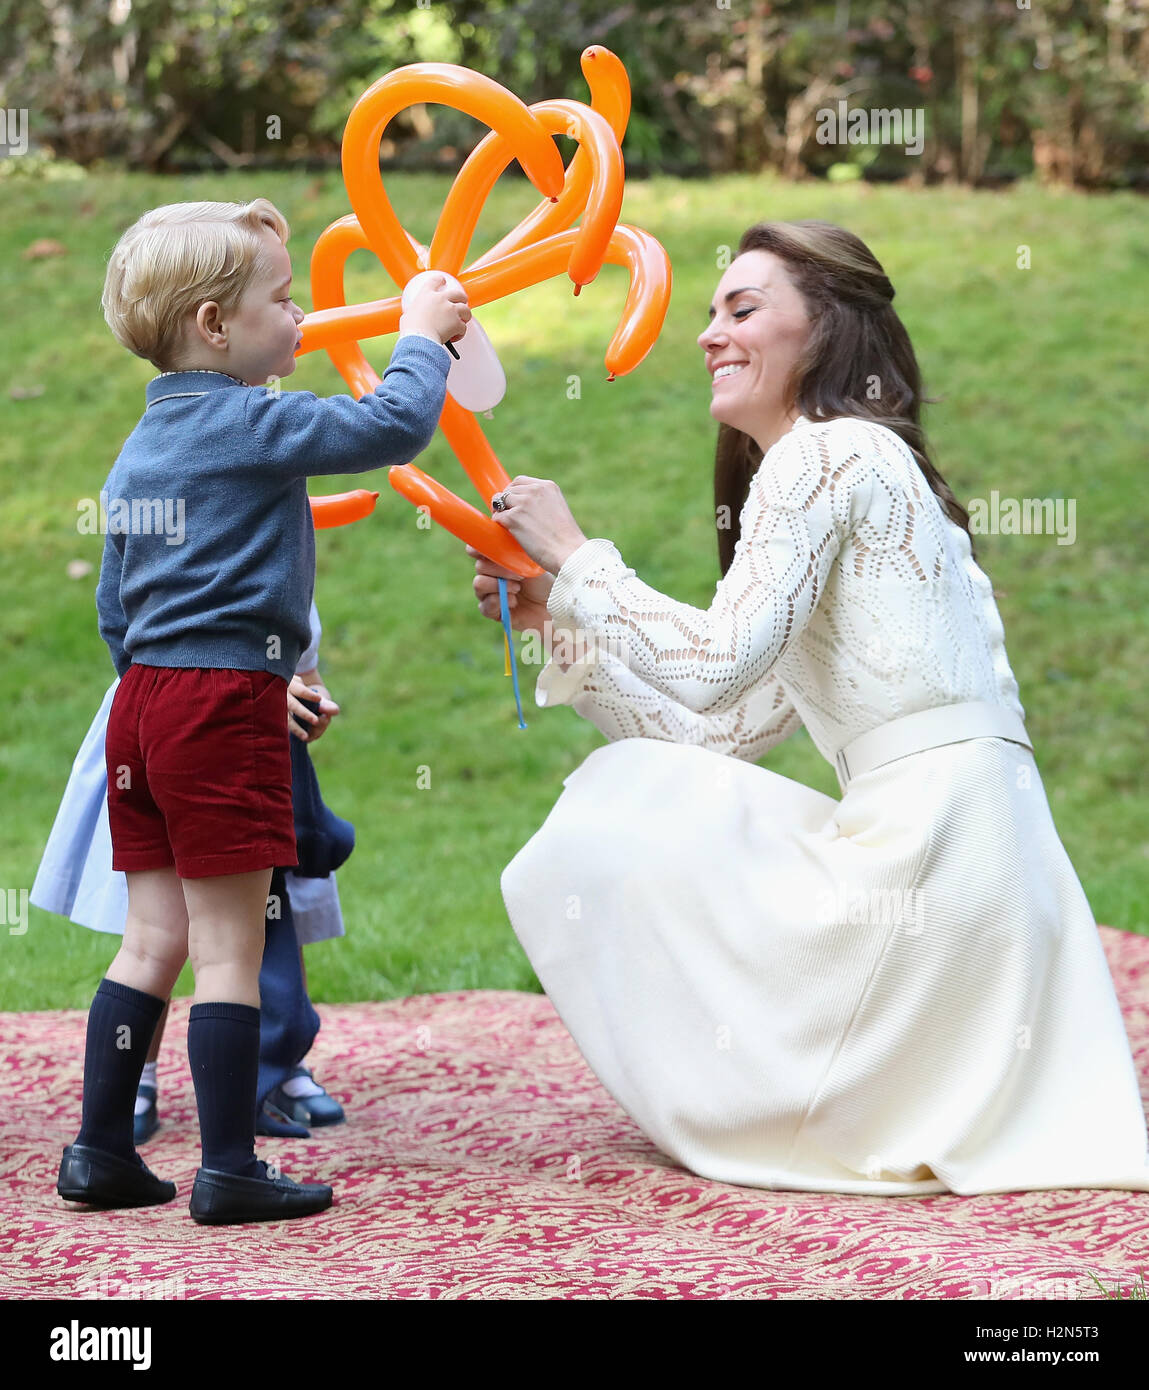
1041,378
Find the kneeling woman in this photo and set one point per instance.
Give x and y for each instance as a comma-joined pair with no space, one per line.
901,992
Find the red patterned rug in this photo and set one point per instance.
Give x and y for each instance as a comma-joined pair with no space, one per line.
481,1159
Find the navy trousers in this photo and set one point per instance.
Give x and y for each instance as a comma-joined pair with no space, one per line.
288,1023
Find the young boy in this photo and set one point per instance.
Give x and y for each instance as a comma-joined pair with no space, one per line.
205,628
75,879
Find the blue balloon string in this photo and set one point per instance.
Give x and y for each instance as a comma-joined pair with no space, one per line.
506,614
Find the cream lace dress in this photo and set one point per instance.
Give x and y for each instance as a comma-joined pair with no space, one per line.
901,992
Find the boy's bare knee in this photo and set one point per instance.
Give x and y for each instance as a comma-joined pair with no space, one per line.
229,954
157,956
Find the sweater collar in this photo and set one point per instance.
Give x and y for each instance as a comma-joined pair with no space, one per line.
169,384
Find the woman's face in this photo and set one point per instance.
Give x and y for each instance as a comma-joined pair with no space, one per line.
758,328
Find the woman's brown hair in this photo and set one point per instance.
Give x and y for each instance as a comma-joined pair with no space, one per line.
857,343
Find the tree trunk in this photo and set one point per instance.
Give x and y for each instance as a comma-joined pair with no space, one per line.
967,77
757,54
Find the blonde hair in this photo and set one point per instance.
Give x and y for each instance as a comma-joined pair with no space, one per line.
175,258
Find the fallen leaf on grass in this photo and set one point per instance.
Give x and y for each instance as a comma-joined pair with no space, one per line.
43,248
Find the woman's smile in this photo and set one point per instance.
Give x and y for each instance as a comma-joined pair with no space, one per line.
727,369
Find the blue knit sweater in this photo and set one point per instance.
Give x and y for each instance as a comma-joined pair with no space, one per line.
209,556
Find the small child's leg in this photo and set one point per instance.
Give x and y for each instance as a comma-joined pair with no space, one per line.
120,1022
128,1004
155,943
226,920
147,1118
226,916
158,1035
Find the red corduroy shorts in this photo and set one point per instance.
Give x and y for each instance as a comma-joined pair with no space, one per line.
199,771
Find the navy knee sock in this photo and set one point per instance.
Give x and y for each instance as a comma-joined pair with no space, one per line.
223,1050
121,1022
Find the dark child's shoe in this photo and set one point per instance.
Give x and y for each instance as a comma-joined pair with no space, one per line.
314,1107
226,1199
271,1122
146,1121
105,1180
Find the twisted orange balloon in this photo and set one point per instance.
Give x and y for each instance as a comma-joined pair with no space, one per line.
539,248
342,507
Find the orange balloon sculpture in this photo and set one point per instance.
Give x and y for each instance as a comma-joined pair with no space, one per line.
539,248
341,508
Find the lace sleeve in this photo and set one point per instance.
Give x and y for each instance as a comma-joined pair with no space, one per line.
802,502
602,689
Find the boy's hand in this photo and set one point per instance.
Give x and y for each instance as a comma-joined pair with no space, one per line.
302,722
439,310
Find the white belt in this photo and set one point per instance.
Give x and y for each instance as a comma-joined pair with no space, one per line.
929,728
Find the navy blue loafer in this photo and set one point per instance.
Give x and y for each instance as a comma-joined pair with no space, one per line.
310,1105
272,1123
225,1199
105,1180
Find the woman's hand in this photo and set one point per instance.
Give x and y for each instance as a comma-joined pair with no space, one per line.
303,723
526,598
538,517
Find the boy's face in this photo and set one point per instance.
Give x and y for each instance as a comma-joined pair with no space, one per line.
258,338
